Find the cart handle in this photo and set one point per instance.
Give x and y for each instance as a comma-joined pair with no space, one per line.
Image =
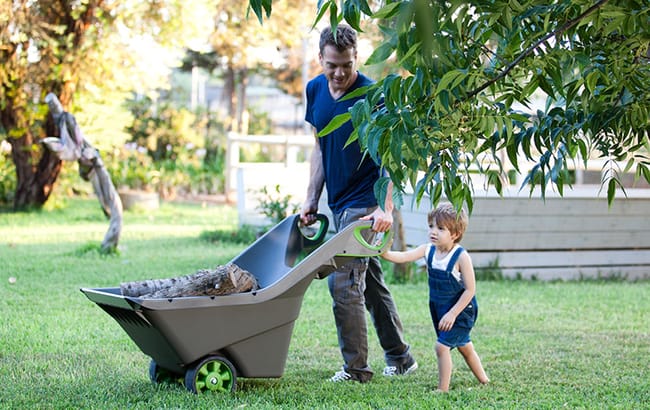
316,238
376,248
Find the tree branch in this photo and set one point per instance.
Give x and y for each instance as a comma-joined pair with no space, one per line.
533,47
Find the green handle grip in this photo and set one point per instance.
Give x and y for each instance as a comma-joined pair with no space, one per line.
377,246
358,246
320,232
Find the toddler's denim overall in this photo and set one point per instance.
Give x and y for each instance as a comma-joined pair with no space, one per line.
444,292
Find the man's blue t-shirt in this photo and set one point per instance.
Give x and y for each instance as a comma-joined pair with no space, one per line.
349,176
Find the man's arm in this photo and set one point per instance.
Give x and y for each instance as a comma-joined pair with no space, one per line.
315,187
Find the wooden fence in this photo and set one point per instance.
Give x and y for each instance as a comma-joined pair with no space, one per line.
570,237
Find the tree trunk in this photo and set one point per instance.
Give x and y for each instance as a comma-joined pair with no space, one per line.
37,169
242,120
403,271
34,183
229,98
223,280
35,174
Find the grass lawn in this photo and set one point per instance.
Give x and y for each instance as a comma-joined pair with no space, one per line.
544,345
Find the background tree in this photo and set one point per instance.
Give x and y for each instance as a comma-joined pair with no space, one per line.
69,48
469,65
243,48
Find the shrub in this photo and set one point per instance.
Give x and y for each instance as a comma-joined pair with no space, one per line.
276,206
245,235
172,151
491,272
131,167
162,128
7,176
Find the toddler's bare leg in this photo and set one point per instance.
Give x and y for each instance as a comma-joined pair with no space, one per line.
444,366
474,362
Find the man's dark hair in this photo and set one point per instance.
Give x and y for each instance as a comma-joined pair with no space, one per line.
346,37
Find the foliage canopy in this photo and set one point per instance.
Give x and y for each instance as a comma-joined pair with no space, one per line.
463,99
73,49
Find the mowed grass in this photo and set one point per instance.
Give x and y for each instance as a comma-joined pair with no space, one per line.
544,345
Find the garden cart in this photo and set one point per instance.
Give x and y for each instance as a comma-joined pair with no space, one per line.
209,341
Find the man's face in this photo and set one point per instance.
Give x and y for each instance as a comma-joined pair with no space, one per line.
339,67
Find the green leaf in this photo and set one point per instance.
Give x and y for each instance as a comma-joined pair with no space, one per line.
256,5
268,7
398,198
352,15
322,8
335,19
437,193
354,136
380,53
395,147
389,10
373,142
468,200
611,191
447,79
511,150
411,51
365,8
645,171
462,76
629,165
530,88
508,124
520,117
335,123
381,189
356,93
546,86
592,81
391,88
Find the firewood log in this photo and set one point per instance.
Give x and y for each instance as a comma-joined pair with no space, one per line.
222,280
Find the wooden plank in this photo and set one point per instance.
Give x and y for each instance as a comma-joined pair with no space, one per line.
508,205
560,207
570,273
621,258
550,241
494,241
549,223
541,223
523,223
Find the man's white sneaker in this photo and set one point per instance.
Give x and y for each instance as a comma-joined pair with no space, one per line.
402,370
341,376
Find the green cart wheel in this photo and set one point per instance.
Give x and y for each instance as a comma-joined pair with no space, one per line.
158,374
212,374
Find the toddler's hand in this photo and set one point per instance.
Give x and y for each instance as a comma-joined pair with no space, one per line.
379,239
447,322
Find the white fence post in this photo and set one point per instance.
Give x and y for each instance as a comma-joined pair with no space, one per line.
243,178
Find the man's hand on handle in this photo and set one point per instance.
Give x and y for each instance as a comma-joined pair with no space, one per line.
308,214
382,221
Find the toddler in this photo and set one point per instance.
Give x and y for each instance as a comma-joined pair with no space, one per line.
452,288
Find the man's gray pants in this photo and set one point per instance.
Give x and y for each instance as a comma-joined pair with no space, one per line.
358,285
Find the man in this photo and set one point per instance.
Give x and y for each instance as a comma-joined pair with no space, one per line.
350,177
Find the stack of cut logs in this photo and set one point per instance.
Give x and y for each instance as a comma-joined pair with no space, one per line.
223,280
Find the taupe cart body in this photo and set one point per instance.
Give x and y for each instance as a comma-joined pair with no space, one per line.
207,341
